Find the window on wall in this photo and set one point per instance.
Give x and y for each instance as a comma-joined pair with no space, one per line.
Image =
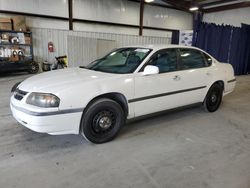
165,60
191,59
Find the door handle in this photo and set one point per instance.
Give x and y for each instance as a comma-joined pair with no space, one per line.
176,77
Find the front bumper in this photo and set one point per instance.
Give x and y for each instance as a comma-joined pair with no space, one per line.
52,122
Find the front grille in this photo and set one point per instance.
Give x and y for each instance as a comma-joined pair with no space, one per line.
19,94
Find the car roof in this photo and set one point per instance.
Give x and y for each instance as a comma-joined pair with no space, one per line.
160,46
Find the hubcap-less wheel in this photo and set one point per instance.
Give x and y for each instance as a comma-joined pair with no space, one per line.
34,68
102,121
213,98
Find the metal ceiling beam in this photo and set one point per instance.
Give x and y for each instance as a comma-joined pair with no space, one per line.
227,7
180,4
216,3
156,4
34,15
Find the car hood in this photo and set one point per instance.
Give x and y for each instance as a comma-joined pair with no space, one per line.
56,80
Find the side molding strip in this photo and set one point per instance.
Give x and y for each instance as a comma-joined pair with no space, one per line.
229,81
66,111
165,94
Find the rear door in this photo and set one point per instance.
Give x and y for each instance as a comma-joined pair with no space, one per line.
195,74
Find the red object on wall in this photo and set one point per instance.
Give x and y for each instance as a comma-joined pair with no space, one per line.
50,47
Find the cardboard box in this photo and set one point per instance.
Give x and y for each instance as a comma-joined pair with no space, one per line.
5,37
5,24
14,58
27,40
19,23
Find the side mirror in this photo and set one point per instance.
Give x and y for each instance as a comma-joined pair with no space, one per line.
150,70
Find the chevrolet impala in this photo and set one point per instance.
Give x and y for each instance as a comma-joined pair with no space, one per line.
95,101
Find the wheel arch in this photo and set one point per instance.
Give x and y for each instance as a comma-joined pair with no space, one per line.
220,82
117,97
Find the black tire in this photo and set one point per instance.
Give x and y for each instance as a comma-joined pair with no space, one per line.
214,97
34,68
60,66
102,121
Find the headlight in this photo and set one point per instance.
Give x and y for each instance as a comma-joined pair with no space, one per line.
44,100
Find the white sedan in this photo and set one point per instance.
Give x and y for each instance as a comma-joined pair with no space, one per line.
129,82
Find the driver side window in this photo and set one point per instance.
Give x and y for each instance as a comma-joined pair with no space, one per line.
165,60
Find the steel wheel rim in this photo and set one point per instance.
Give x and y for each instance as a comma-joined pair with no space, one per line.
103,122
214,98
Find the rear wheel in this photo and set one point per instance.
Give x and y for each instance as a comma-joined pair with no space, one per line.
214,97
102,121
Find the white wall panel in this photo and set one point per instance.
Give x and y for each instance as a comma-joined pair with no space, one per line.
167,18
232,17
46,23
41,37
156,33
117,11
123,11
47,7
42,22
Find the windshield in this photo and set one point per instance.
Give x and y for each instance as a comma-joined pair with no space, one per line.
123,60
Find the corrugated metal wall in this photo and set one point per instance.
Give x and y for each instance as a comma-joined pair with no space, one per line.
78,54
230,17
82,50
42,36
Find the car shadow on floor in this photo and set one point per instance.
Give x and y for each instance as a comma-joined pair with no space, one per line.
33,142
12,74
30,142
156,120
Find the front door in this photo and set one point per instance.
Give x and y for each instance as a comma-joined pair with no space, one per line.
155,93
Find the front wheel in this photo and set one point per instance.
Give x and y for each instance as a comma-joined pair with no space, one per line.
102,121
214,97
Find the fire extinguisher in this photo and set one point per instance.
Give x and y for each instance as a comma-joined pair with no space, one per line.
50,47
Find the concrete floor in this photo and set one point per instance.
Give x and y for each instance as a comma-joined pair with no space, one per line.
184,149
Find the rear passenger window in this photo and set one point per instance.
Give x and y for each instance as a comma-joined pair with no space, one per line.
165,60
191,59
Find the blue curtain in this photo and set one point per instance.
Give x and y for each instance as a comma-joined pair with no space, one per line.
226,43
236,51
197,20
246,50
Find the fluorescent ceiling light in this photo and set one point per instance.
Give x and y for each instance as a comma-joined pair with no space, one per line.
193,8
149,1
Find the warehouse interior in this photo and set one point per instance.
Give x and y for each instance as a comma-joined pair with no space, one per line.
181,148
